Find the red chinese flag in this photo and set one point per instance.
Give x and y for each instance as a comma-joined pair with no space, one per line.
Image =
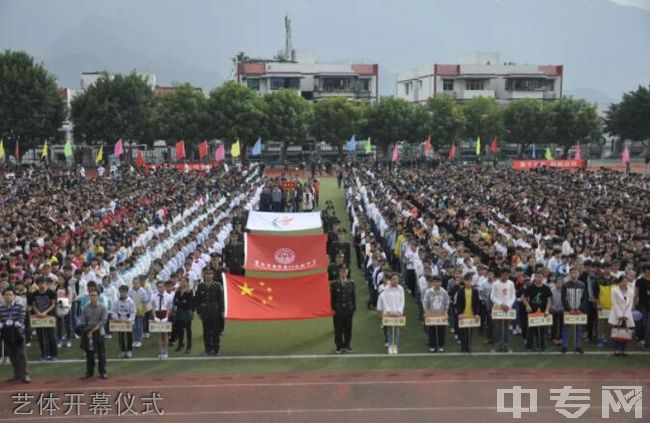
427,145
267,253
251,298
452,152
493,146
180,149
203,149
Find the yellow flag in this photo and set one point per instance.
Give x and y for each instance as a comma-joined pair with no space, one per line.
478,146
44,152
2,150
234,149
100,155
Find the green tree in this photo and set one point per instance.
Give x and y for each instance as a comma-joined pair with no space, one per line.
389,121
525,122
181,114
447,120
235,112
30,107
335,120
288,116
630,119
115,106
571,121
483,118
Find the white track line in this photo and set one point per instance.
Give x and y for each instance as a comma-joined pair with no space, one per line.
21,387
337,356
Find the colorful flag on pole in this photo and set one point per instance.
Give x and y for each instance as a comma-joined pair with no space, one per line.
220,154
257,148
396,152
368,146
139,159
478,145
203,149
626,154
119,149
2,149
180,149
494,147
253,298
352,143
427,145
44,151
67,149
235,149
452,152
534,152
548,155
100,155
578,155
17,151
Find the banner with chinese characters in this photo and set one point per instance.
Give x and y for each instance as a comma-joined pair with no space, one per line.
279,254
253,298
557,164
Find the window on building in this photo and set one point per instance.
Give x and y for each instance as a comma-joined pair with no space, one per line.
474,84
363,84
331,84
407,88
253,83
529,84
447,84
419,85
280,83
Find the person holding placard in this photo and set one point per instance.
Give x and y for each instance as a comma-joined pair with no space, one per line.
42,303
605,284
620,317
574,300
503,298
391,303
12,332
93,319
436,302
537,299
124,310
468,305
161,305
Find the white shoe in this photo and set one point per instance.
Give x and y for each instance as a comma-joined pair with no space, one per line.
386,345
68,344
441,350
147,335
109,336
129,354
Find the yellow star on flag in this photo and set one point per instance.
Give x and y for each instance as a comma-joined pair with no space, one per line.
246,290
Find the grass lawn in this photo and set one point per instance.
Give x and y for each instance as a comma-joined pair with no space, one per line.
309,337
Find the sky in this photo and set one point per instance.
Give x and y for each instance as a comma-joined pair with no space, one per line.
604,45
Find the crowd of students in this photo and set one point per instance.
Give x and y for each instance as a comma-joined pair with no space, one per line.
466,240
135,249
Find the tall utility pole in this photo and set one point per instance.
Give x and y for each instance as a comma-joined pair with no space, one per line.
287,41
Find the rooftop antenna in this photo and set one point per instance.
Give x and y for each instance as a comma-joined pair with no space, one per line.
287,41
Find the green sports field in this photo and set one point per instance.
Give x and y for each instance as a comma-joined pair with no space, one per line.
266,346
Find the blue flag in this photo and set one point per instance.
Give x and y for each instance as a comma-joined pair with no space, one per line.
534,153
257,148
352,144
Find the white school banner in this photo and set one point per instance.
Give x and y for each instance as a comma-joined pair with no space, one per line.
283,222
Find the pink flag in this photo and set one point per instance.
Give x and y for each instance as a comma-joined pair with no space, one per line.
578,155
220,154
395,153
626,155
118,148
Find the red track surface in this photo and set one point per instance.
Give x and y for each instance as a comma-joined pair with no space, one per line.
415,396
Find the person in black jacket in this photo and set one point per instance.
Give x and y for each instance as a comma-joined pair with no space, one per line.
344,304
210,308
184,305
468,305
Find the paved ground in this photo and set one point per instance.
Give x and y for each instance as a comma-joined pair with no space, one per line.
418,395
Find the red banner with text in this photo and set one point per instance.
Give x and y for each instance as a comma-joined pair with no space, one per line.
556,164
267,253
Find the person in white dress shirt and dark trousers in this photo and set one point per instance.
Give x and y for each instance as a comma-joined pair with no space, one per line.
161,305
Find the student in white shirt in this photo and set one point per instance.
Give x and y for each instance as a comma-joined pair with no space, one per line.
503,298
161,305
391,303
124,310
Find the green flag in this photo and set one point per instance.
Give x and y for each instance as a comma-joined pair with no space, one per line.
368,146
478,146
548,155
67,149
